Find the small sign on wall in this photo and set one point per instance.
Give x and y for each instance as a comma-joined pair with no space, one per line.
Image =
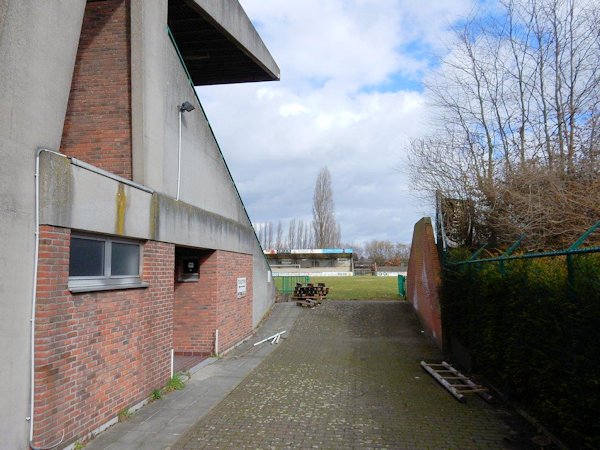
189,269
241,287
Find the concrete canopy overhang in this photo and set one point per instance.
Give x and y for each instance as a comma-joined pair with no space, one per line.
218,42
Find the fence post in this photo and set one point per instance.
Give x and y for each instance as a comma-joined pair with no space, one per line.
402,285
575,246
509,252
475,255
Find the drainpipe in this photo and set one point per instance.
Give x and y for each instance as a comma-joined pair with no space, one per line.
172,362
179,154
185,107
33,298
217,342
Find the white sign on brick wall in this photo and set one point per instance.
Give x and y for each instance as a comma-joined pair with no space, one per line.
241,287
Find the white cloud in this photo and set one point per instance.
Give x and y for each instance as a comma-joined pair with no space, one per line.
342,103
292,109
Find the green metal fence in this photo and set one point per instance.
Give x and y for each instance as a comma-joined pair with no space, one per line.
402,285
574,249
286,285
530,327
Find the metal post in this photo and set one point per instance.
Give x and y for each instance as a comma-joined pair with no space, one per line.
475,255
575,246
509,252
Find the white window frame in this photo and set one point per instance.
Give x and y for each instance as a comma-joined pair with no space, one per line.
107,281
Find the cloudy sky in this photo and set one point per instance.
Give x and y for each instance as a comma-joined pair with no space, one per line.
350,98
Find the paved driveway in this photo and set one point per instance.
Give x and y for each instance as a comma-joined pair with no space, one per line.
348,376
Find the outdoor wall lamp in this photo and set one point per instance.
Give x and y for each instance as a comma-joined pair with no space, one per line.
184,107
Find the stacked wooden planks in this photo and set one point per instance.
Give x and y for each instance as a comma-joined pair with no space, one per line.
310,295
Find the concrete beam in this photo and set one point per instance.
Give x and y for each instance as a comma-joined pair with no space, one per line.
75,197
185,224
231,18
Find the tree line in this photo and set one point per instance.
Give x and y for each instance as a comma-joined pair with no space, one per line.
325,232
383,252
300,235
322,232
517,122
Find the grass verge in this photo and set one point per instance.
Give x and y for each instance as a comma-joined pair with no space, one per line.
360,287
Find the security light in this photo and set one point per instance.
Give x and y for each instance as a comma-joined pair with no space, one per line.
186,106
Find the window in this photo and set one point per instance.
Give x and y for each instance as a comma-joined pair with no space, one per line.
98,263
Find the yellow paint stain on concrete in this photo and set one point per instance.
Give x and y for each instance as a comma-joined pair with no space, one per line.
154,212
121,209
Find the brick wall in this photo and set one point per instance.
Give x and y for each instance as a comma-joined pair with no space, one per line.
195,312
234,315
423,279
211,303
97,126
96,353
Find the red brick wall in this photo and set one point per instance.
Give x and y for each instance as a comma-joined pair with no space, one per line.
211,303
97,353
234,315
98,122
195,312
423,279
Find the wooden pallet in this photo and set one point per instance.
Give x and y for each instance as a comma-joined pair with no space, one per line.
454,381
308,302
309,295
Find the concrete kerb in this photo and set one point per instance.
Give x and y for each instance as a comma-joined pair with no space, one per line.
161,423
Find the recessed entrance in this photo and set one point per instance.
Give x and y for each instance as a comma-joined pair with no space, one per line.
194,312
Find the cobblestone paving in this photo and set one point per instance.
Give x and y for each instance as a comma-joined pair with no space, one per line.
348,376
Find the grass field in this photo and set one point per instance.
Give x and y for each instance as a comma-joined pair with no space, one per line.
361,287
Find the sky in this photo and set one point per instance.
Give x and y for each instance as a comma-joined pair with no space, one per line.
350,99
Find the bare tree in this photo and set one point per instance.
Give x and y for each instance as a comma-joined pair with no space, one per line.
325,228
300,240
517,100
269,235
308,238
279,236
291,236
387,252
261,233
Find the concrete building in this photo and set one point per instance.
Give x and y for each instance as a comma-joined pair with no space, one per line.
123,239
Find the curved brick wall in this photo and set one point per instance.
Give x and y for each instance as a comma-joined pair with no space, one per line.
423,279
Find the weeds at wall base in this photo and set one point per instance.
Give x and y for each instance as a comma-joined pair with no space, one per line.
124,415
155,395
175,383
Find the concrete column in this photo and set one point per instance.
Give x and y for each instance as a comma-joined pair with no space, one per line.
38,46
149,42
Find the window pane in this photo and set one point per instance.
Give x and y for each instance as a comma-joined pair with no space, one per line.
87,258
125,259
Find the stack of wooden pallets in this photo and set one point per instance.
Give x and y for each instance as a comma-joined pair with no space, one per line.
310,295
